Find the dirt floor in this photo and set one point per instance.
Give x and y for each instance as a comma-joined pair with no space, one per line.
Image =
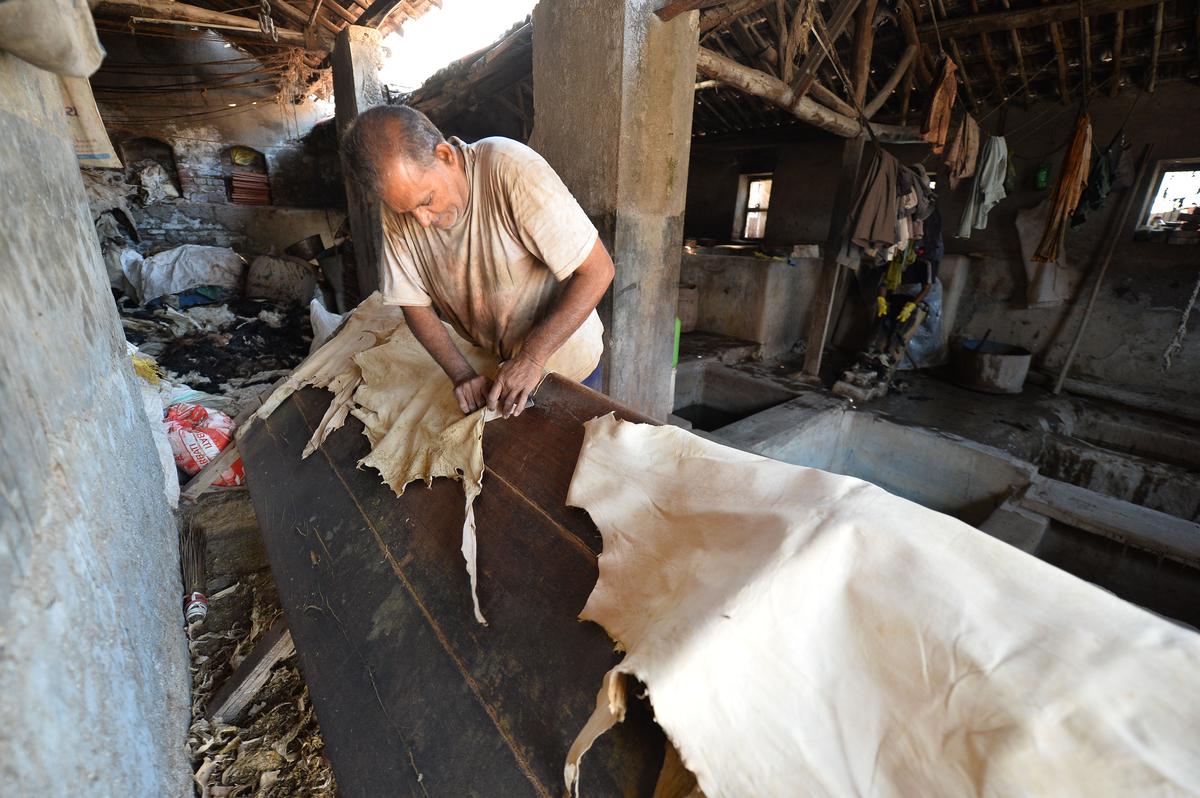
274,749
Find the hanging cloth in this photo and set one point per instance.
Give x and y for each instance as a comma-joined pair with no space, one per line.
987,188
1072,178
937,118
963,150
873,225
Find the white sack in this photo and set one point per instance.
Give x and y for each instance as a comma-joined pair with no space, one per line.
282,278
802,633
324,324
184,267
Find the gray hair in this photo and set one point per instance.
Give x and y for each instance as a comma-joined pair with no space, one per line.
383,133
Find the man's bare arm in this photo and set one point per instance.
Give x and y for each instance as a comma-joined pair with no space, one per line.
469,388
517,378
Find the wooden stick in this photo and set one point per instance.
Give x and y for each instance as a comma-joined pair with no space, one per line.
1118,43
252,673
1024,18
906,98
722,17
864,40
1113,233
1085,44
985,47
963,75
1018,50
752,81
830,99
902,69
806,75
1154,48
200,16
1064,90
676,7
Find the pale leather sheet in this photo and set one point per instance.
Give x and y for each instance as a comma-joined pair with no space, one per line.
802,633
378,371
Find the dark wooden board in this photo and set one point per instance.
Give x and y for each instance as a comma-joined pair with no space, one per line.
414,697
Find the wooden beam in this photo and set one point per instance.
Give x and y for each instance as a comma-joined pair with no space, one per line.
909,26
182,12
1118,45
312,15
864,41
906,98
340,10
722,17
1085,45
758,84
806,75
1155,48
1025,18
963,75
1064,89
902,69
985,47
676,7
824,299
252,673
830,99
1019,53
376,13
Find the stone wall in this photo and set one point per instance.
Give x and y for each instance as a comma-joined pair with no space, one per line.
93,658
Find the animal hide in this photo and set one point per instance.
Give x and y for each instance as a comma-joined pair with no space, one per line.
379,372
801,633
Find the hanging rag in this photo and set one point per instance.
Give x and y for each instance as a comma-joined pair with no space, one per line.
963,150
1072,178
987,188
1047,283
873,219
926,198
937,118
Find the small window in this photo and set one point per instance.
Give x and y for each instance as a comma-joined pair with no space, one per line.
758,201
1174,203
754,201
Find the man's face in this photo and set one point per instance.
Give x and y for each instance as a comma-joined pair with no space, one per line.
435,195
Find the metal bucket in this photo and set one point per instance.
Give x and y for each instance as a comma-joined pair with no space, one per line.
990,366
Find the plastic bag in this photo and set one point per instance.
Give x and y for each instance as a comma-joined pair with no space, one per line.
197,436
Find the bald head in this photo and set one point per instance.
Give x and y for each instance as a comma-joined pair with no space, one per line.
384,135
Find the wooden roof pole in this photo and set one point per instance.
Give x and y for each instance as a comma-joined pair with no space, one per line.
864,40
1018,50
1064,89
985,47
1085,44
1025,17
1155,48
902,69
182,12
1118,44
751,81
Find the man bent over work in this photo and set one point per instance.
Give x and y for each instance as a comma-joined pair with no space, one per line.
488,235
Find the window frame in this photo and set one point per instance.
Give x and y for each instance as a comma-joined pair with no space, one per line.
742,217
1160,171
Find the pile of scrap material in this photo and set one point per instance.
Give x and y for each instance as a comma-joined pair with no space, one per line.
273,748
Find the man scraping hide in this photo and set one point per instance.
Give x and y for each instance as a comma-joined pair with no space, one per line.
487,236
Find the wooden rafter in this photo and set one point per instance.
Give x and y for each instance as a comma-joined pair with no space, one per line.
1155,48
759,84
902,70
1019,54
1118,45
721,17
676,7
1025,18
1085,45
1064,89
864,42
171,12
985,47
908,25
806,75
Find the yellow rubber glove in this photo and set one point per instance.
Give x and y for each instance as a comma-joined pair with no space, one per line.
906,311
881,307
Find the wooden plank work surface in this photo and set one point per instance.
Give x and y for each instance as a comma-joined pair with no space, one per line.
413,696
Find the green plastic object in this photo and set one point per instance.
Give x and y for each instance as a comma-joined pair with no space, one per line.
678,332
1041,178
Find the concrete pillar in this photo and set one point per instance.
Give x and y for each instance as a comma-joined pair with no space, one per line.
613,115
357,58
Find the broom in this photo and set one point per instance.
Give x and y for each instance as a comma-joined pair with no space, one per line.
191,551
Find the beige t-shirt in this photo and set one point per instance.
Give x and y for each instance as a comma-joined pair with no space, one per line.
500,268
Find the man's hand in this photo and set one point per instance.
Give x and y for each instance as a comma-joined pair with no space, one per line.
516,379
472,392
